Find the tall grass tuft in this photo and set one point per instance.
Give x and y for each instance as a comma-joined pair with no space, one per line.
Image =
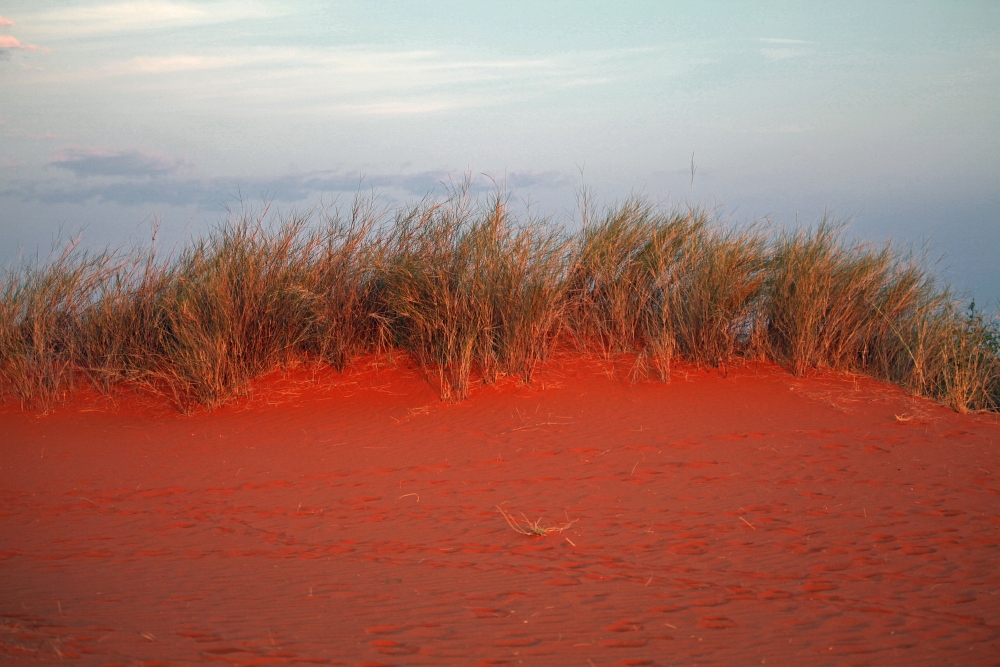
42,306
341,286
829,302
472,292
718,293
662,284
870,309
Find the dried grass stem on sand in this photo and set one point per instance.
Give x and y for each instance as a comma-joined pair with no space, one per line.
526,526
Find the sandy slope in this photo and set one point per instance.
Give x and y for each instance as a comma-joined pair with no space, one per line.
754,519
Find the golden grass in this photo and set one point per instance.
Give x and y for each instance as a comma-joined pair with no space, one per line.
469,290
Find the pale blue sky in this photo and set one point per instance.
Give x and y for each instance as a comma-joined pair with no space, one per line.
879,111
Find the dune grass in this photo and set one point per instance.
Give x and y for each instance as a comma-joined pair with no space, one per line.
474,293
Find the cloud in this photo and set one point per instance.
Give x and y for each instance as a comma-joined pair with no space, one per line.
779,40
782,48
142,15
212,192
366,67
344,81
166,65
782,129
397,107
8,44
5,21
131,163
585,81
539,179
780,54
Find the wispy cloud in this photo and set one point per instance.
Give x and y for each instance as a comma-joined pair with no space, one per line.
585,81
350,81
780,40
131,163
780,54
398,107
342,62
781,48
5,21
782,129
142,15
170,64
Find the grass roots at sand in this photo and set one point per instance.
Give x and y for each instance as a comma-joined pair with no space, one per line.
470,290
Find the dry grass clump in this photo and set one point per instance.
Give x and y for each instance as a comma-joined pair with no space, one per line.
663,284
42,332
227,309
872,310
469,290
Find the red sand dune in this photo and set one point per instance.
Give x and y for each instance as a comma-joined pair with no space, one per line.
750,519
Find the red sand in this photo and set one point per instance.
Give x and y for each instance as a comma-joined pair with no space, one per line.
754,519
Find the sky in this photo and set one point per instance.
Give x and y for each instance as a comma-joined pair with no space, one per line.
882,114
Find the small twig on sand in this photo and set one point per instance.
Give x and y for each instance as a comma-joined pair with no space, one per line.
533,528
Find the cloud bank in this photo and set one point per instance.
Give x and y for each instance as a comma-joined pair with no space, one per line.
85,162
136,185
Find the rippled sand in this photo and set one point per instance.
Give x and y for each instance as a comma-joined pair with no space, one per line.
750,519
